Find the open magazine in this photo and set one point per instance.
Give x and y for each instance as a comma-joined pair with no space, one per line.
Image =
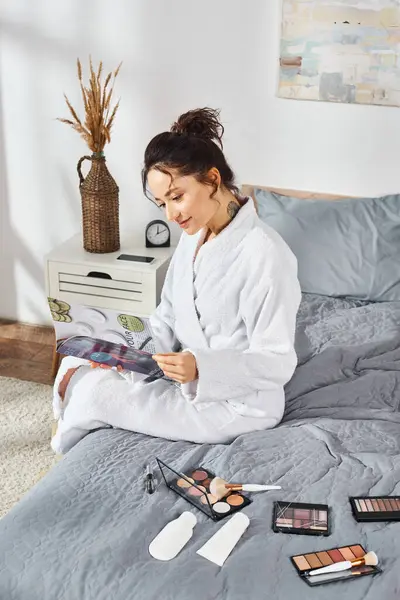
105,336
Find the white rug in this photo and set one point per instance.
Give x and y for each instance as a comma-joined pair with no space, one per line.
25,430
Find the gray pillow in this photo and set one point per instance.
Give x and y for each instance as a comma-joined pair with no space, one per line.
348,247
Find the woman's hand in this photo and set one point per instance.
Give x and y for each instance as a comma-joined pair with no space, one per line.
180,366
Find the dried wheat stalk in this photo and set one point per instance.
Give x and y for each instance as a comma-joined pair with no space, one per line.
96,127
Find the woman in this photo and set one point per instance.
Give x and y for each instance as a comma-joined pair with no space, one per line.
226,322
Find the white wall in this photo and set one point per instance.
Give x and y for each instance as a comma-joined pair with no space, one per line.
177,55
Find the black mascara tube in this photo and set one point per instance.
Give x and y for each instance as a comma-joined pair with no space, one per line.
149,481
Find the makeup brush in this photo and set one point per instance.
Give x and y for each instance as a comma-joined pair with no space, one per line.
368,559
220,488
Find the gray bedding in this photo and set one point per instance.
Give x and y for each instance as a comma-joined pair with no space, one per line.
83,531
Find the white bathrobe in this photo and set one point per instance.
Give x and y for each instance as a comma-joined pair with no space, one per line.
233,305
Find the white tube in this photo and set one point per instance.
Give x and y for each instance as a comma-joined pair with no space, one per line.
175,535
221,544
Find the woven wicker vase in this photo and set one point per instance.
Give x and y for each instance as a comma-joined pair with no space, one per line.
100,206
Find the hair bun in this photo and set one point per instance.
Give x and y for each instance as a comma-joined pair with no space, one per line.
203,123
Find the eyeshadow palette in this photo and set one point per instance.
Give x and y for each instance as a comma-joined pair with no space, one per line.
304,563
376,508
194,486
300,518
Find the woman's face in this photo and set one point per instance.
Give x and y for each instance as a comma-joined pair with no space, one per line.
186,201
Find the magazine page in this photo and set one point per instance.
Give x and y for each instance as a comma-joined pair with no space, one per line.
110,354
104,324
106,336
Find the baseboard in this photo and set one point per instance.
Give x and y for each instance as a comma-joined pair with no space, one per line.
15,330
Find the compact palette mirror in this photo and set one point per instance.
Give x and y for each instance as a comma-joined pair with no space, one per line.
194,486
304,563
301,518
376,508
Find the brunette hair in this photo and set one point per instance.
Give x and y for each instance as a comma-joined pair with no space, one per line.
193,146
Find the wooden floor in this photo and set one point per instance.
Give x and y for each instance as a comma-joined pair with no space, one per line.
26,351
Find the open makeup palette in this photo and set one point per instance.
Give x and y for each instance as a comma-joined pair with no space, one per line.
376,508
304,563
194,486
300,518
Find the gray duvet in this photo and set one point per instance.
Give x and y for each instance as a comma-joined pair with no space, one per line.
82,533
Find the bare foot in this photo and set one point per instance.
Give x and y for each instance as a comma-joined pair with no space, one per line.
95,365
62,388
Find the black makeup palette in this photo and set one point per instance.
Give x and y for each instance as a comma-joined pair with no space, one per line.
300,518
194,486
304,563
376,508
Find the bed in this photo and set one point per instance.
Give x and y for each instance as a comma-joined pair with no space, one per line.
83,531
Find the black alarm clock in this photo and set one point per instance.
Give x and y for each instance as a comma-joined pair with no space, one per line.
158,235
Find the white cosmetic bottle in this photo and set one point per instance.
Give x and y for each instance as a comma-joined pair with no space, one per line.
175,535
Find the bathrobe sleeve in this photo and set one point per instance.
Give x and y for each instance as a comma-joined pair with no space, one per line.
268,305
162,321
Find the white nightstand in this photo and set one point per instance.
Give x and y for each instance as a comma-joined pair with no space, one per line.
103,281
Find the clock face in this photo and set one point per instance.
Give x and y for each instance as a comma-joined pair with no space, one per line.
157,234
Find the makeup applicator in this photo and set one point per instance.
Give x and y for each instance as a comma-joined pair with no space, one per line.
368,559
220,488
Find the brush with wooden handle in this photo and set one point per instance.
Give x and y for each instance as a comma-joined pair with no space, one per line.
221,488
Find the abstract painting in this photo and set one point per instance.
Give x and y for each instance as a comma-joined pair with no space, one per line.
341,51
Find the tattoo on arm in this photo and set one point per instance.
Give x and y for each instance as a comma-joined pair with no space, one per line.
233,209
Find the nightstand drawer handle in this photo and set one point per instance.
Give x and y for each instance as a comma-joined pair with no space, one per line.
99,274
